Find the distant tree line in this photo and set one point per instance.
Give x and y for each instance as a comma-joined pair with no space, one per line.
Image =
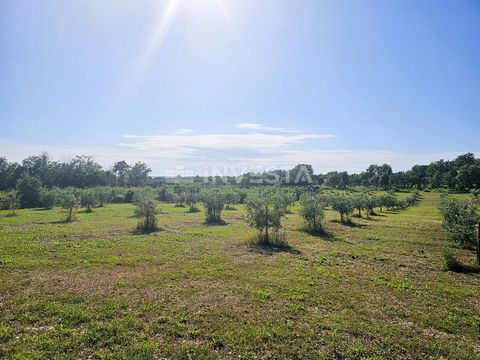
461,174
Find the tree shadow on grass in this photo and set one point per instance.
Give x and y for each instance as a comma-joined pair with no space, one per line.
215,223
321,234
270,249
350,224
140,231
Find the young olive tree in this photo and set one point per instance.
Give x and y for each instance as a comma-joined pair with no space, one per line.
460,219
360,202
191,199
312,211
103,194
231,197
371,204
48,198
265,211
343,204
214,202
88,199
12,201
68,200
146,210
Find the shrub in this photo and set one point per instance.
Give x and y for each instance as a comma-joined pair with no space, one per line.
312,211
343,204
265,211
214,201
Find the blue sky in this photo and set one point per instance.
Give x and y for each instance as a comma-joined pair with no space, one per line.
191,85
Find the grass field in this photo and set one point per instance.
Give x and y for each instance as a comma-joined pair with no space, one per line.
94,289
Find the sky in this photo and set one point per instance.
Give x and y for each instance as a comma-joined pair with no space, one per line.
228,86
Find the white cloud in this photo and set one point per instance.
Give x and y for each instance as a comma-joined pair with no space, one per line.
251,141
256,126
236,153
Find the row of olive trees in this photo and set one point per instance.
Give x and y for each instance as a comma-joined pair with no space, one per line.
313,205
462,222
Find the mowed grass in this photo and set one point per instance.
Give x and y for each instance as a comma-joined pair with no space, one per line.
94,289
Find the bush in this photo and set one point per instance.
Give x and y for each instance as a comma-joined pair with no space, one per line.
265,210
214,201
312,211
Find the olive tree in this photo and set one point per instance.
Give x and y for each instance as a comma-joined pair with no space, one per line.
11,200
191,199
265,210
343,204
88,199
312,211
231,197
460,219
214,202
103,195
48,198
68,200
146,210
360,202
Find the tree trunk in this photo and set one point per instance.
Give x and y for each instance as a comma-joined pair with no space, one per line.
478,246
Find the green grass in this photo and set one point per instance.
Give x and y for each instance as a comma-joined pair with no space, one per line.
94,289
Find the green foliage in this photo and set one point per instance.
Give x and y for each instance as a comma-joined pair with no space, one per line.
29,188
88,199
48,197
460,218
103,194
360,202
146,210
10,200
312,211
68,200
265,210
191,199
343,204
231,196
389,201
214,202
